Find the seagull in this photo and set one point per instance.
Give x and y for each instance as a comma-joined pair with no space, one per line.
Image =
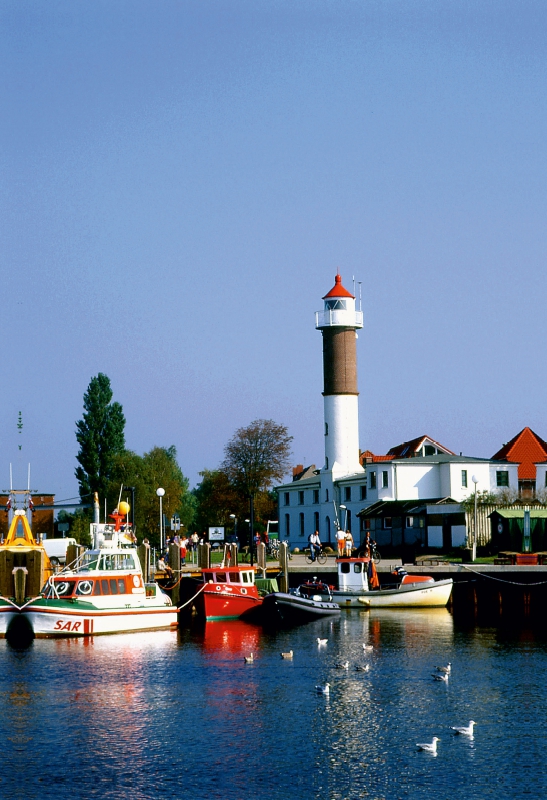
323,689
364,668
249,659
439,676
368,647
287,655
466,730
429,747
342,665
447,669
321,641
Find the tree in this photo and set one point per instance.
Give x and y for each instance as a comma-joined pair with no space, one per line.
257,456
100,435
146,473
216,499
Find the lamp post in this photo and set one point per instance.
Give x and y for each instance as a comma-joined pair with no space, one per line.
160,492
474,542
346,520
233,516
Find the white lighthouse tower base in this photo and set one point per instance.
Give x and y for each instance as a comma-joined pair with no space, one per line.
341,414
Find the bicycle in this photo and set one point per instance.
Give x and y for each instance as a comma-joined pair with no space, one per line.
375,553
320,558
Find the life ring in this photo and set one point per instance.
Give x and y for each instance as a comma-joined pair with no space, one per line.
136,581
218,588
85,587
63,588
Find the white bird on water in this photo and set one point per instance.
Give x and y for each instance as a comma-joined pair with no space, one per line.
321,641
323,689
249,659
287,655
439,676
429,747
342,665
364,668
465,730
446,670
368,647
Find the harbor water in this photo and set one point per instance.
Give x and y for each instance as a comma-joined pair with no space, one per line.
181,715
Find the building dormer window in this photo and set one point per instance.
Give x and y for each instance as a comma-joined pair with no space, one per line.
502,478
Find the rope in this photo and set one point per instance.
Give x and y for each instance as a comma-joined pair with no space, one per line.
501,580
192,598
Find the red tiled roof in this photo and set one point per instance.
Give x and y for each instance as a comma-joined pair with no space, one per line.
338,290
527,449
368,456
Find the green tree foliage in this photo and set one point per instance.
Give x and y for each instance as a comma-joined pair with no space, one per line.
257,456
147,473
216,499
100,434
79,524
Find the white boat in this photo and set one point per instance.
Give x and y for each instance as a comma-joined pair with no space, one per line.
102,592
404,591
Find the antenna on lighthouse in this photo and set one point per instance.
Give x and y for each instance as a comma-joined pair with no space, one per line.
360,308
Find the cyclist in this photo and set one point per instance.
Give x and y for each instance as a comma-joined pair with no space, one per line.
315,545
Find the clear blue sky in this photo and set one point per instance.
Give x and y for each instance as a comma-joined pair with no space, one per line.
181,181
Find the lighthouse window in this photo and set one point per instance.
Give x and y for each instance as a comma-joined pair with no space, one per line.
335,305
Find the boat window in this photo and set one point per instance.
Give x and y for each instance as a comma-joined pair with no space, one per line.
221,577
245,577
121,585
64,588
97,587
357,568
344,567
90,561
234,577
113,586
84,587
104,586
128,562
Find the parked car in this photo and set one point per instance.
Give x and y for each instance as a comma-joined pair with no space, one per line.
56,549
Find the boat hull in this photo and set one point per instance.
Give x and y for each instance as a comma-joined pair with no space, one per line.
8,612
293,609
429,595
218,602
50,619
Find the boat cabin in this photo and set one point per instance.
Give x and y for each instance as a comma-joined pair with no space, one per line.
352,574
233,575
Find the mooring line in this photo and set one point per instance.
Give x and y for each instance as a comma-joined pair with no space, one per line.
192,598
501,580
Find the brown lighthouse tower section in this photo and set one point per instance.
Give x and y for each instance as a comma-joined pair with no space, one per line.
339,361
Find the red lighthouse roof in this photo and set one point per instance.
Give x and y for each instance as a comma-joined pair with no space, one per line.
338,290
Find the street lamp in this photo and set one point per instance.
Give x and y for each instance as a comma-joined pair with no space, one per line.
233,516
160,492
474,543
346,510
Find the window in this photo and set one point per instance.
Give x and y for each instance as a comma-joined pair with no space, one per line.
326,428
287,525
387,522
316,521
385,479
326,463
300,498
287,498
502,478
363,492
348,520
429,450
301,521
316,495
365,524
347,493
326,495
410,522
335,305
464,478
372,480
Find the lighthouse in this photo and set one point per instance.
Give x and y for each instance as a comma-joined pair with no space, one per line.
339,322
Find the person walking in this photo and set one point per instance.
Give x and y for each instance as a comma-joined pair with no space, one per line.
341,540
349,543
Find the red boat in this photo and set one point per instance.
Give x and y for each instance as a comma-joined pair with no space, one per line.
229,593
